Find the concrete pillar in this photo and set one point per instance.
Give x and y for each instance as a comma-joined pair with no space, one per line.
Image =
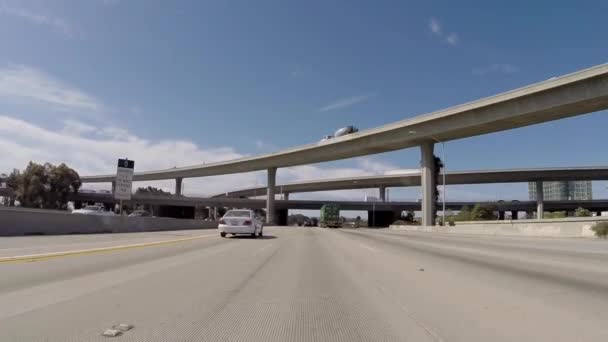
286,196
113,186
270,214
382,191
514,214
215,218
427,183
598,213
178,186
539,200
501,215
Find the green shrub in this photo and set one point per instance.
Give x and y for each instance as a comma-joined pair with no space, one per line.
483,212
601,229
582,212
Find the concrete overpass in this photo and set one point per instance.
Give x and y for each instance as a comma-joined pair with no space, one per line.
413,179
385,211
557,98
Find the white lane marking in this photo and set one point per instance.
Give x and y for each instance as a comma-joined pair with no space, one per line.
42,295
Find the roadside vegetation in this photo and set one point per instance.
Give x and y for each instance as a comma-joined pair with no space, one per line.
601,229
480,212
43,186
582,212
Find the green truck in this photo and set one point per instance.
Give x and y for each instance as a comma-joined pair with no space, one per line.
330,216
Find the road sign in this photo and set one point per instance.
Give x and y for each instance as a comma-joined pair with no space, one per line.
124,179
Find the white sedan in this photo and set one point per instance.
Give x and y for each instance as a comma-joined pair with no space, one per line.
93,210
240,222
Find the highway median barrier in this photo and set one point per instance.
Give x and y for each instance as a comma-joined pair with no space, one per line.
580,227
20,221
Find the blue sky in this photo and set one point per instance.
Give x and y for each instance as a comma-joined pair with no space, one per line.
184,82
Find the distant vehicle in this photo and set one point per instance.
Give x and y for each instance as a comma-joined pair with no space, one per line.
330,216
87,191
241,222
93,210
140,213
345,131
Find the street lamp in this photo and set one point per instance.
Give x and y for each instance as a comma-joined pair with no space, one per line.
442,173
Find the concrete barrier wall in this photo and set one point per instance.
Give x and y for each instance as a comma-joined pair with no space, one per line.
573,227
14,222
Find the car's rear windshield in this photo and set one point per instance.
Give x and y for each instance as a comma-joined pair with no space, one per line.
238,213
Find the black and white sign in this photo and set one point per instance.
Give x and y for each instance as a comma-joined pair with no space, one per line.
124,179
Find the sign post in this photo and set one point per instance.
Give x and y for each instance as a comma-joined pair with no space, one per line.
124,180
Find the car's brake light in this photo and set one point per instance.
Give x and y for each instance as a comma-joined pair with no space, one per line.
222,221
247,223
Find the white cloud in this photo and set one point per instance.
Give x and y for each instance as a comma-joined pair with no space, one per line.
345,102
452,39
501,68
26,82
76,128
57,24
435,26
437,29
94,150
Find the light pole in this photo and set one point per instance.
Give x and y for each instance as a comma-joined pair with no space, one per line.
442,173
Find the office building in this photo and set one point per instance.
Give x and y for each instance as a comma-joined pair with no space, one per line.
562,191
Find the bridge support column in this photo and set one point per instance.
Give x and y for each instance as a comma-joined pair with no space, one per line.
113,186
501,215
270,214
178,186
286,196
382,191
598,213
514,214
539,200
427,183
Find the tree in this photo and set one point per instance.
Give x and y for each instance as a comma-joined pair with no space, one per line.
12,182
483,212
582,212
437,166
464,214
44,186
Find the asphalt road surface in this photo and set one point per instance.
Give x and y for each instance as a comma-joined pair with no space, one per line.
306,284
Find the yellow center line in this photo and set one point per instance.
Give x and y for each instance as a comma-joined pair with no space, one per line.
45,256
